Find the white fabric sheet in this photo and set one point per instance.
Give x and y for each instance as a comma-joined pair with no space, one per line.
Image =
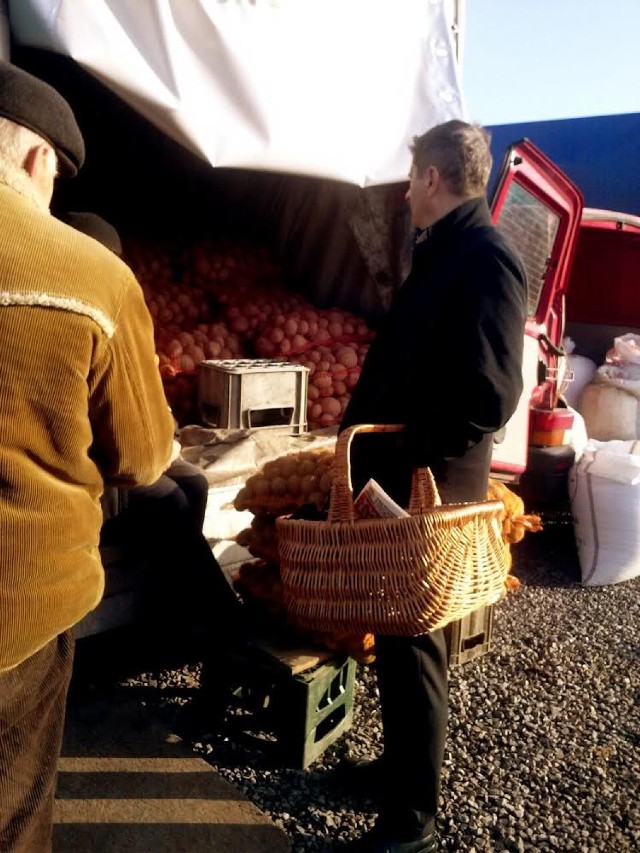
330,88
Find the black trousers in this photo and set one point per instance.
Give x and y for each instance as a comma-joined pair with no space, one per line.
412,672
412,680
187,587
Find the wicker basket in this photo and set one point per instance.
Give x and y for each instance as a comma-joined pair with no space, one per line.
394,576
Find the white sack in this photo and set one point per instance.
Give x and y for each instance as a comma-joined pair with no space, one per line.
578,435
583,370
610,412
624,375
605,501
627,347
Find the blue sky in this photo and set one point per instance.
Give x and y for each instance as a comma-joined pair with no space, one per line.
531,60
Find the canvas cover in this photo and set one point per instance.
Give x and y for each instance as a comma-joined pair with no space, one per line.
328,88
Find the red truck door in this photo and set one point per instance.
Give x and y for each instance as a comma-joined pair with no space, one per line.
538,208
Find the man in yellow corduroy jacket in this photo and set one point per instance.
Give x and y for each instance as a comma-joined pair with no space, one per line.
81,405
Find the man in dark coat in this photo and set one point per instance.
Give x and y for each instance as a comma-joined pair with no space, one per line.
447,362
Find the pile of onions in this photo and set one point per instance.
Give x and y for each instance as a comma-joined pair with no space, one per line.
261,580
260,539
239,284
179,355
152,262
287,483
176,305
333,374
247,310
182,351
181,391
212,264
295,332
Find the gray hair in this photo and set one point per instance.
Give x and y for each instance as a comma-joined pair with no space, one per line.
460,152
15,143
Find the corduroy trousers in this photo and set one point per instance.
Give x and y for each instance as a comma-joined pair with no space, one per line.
32,709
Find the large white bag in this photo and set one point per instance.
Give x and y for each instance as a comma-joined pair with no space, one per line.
605,501
610,403
582,370
610,412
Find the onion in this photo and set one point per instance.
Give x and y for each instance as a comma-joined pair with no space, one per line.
293,484
174,349
327,420
325,481
308,484
322,380
291,326
347,356
278,486
331,406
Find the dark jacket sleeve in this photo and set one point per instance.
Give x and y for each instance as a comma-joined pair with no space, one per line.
476,384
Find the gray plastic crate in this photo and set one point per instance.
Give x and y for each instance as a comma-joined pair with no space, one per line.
470,637
253,394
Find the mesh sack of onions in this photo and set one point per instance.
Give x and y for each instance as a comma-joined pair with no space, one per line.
333,373
295,332
285,484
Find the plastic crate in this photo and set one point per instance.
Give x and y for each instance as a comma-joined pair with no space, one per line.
470,637
253,394
294,715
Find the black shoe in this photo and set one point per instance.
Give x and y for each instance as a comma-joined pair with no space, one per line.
362,776
376,841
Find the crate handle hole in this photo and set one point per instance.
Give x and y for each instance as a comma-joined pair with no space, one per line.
331,695
330,722
472,642
279,416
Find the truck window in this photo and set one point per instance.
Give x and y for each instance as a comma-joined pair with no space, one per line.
532,228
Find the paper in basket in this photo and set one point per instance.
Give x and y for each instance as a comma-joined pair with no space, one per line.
374,502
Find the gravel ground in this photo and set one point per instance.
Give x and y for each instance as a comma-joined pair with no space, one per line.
544,731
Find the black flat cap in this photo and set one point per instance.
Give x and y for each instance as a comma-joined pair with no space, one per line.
32,103
95,226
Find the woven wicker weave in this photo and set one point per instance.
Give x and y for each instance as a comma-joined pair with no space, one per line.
396,576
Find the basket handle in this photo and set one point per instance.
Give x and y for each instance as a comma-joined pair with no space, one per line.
424,492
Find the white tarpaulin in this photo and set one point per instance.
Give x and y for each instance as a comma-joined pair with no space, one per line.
4,31
331,88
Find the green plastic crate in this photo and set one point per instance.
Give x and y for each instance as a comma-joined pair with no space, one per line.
294,716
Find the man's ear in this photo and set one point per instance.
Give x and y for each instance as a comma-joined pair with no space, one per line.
38,159
432,181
